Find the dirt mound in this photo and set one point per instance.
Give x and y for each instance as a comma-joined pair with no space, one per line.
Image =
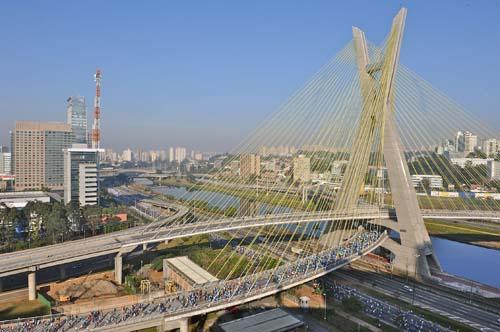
88,289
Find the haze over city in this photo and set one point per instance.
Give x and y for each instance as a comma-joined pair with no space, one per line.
204,76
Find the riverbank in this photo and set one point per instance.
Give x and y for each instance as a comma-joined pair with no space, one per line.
481,234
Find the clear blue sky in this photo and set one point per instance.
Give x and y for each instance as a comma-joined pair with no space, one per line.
203,74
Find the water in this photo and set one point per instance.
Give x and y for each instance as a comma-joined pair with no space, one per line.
468,261
465,260
244,207
223,201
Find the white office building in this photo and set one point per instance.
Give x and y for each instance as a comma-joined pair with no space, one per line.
127,155
81,175
180,154
5,163
435,181
491,147
494,169
462,162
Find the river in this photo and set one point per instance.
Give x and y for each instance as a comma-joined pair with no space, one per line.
464,260
468,261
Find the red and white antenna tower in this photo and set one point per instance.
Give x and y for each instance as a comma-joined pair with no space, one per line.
96,126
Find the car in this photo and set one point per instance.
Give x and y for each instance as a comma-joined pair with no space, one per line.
408,288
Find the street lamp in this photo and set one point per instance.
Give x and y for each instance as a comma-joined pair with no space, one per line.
324,316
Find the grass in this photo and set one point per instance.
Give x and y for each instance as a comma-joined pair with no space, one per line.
463,232
441,227
220,262
452,203
22,309
289,200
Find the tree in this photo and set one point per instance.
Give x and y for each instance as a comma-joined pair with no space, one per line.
9,217
92,215
76,220
56,226
35,213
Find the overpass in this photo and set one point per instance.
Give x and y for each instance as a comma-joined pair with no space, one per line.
162,310
123,242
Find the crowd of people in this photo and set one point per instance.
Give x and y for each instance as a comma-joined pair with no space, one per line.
214,293
405,320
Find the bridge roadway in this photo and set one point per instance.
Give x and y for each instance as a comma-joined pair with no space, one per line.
216,295
125,241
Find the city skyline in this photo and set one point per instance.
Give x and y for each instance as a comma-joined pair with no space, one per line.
230,93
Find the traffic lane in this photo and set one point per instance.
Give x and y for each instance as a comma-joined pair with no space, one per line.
424,294
449,307
444,304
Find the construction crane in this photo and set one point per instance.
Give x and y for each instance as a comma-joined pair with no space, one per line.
96,126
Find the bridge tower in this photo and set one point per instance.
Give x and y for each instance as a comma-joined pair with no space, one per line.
414,253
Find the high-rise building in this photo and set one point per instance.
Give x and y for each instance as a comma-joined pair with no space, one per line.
302,168
163,155
180,154
234,167
81,175
459,141
127,155
5,163
171,154
494,169
490,147
77,118
249,165
470,142
38,154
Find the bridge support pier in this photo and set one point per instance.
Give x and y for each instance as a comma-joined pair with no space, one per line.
184,325
181,324
32,286
118,269
62,272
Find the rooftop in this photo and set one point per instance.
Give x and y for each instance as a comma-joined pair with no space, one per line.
191,270
275,320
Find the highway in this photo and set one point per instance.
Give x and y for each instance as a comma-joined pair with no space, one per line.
211,296
127,240
432,301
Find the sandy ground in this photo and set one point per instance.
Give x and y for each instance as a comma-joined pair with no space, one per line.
85,287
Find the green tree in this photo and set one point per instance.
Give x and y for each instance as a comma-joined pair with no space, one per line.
76,219
56,226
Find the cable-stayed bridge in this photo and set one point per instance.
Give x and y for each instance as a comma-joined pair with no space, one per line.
370,121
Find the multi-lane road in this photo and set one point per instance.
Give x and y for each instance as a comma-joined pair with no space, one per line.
433,301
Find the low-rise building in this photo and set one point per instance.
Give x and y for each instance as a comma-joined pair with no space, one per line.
185,273
435,181
274,320
21,199
462,162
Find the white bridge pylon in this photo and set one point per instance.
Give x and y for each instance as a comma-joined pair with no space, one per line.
415,252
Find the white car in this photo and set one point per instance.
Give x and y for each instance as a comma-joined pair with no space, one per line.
408,288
